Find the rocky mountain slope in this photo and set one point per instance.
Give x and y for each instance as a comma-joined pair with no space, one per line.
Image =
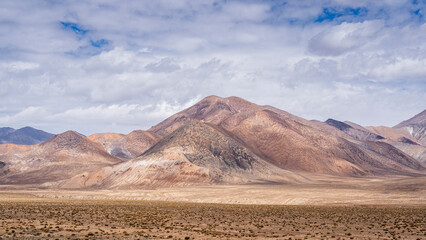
125,146
61,157
23,136
402,140
291,142
194,153
216,141
354,130
416,127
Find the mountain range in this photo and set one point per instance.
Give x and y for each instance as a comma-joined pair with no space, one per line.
219,141
23,136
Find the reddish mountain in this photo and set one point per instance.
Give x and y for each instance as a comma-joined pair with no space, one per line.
290,142
354,131
61,157
416,127
125,146
216,141
197,153
402,140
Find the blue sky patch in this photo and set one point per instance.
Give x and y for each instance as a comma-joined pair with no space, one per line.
92,48
100,43
77,29
330,14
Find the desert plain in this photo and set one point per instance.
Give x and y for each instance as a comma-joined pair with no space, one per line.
351,208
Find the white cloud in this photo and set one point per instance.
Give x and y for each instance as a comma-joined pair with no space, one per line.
166,65
242,11
401,68
163,56
344,37
122,118
19,66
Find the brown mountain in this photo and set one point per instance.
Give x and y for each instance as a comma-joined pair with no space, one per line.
125,146
61,157
402,140
216,141
391,133
291,142
354,130
195,153
416,127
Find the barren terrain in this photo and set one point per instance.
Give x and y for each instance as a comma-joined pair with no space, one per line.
386,208
24,217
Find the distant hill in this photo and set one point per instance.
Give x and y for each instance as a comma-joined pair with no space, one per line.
353,130
416,127
195,153
23,136
125,146
61,157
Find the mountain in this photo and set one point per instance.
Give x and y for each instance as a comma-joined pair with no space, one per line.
416,127
391,133
402,140
291,142
61,157
216,141
125,146
195,153
23,136
354,130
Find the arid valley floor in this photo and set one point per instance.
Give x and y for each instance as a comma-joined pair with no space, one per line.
352,209
224,168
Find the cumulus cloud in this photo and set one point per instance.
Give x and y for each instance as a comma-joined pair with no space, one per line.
344,37
19,66
100,66
122,118
164,65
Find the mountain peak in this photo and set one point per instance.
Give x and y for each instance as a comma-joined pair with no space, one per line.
338,124
68,139
196,153
418,119
23,136
211,109
70,134
211,97
416,127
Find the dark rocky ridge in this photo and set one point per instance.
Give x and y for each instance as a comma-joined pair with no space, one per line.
355,131
337,124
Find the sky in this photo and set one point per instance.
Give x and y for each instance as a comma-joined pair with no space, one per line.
117,65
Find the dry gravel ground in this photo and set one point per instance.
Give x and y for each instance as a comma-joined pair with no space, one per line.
109,219
356,209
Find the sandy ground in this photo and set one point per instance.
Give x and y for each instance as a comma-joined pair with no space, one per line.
386,208
350,191
63,218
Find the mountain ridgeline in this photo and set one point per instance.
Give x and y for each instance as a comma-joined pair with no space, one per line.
219,141
23,136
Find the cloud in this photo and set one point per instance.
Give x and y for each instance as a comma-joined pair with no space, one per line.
344,37
164,65
19,66
97,66
401,68
122,118
241,11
